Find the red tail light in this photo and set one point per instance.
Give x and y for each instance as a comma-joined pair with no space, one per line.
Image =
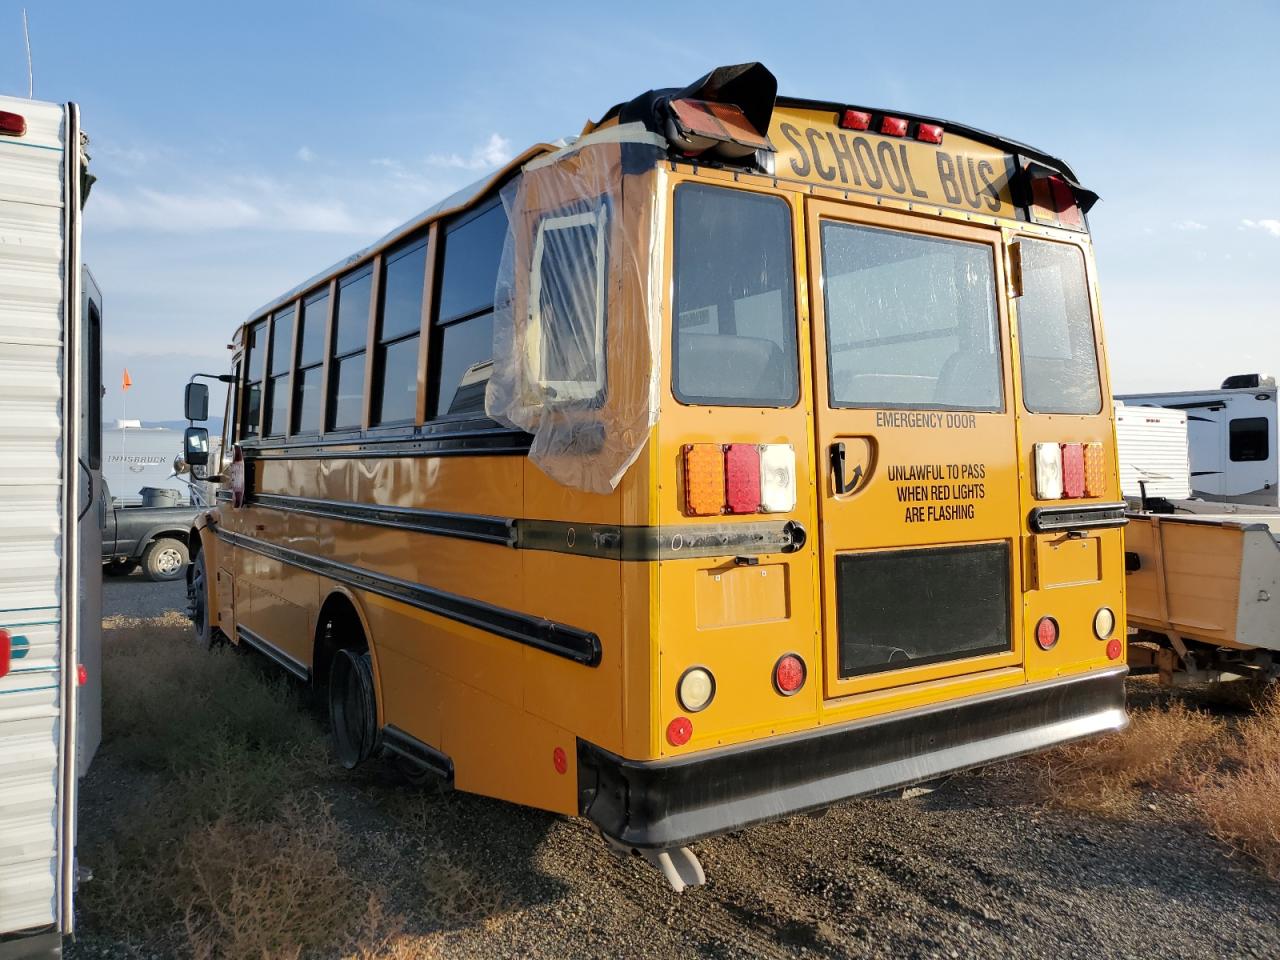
893,127
789,674
6,652
855,120
742,477
679,731
929,133
1113,649
82,675
1073,470
1047,633
12,124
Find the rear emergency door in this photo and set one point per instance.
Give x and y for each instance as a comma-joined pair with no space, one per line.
918,491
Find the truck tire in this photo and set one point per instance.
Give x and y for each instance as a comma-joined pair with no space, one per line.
165,559
198,603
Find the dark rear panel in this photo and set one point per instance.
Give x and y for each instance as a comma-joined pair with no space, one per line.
903,608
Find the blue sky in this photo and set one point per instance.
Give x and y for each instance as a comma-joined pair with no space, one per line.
242,147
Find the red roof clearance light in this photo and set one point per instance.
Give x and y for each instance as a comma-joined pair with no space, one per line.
929,133
893,127
6,651
855,120
12,124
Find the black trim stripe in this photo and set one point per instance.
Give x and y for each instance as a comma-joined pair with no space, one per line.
466,526
562,640
269,649
474,436
1077,517
606,541
409,746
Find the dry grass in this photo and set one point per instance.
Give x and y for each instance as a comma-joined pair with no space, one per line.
1166,748
221,847
1243,806
1229,772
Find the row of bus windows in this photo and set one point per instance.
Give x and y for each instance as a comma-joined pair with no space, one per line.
911,319
287,353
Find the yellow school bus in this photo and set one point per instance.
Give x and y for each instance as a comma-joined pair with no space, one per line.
740,455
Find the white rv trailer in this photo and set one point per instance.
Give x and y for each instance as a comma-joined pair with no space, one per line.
50,569
1151,445
1232,437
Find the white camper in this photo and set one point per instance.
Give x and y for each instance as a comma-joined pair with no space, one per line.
1232,438
50,569
1151,445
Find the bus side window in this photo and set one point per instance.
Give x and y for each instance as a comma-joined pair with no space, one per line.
350,333
395,371
255,364
306,383
229,416
462,334
277,397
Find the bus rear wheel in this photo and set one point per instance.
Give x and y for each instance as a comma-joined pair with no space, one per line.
353,712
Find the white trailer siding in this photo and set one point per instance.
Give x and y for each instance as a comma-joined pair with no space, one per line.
38,268
1151,443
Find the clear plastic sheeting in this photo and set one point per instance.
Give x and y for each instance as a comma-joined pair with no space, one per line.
576,326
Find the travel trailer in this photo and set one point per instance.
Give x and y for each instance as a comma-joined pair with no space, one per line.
1232,437
1151,445
50,569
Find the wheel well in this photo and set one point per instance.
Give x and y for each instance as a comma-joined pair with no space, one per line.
337,628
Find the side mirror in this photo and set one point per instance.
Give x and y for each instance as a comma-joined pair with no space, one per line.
195,446
196,404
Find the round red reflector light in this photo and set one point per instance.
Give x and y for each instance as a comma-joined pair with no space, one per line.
1047,633
789,674
559,760
1113,649
679,731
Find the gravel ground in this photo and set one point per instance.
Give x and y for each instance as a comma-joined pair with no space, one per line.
977,867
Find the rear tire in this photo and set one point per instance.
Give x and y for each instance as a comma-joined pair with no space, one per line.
353,710
165,559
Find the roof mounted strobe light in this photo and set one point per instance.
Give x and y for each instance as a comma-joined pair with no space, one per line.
723,116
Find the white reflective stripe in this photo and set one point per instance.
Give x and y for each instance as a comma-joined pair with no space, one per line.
622,133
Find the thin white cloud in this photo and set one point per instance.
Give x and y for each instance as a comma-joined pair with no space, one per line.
1189,226
494,152
306,154
240,203
1267,226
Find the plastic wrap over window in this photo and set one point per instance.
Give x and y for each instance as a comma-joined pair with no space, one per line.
576,325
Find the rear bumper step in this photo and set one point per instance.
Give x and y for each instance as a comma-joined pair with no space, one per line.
670,803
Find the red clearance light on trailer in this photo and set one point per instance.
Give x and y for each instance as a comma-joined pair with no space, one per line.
1047,633
893,127
929,133
6,652
1073,470
742,477
12,124
679,731
855,120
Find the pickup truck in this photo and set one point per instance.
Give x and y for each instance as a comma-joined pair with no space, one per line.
155,537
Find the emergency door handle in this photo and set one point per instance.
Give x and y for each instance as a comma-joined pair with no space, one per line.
838,471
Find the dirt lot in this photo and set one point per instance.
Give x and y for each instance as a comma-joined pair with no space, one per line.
297,858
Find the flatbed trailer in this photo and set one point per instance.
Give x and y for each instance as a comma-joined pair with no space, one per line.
1203,588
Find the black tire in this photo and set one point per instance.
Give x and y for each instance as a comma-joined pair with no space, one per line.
198,603
119,568
165,559
353,709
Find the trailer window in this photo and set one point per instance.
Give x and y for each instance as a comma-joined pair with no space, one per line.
911,320
1248,440
1055,331
735,305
